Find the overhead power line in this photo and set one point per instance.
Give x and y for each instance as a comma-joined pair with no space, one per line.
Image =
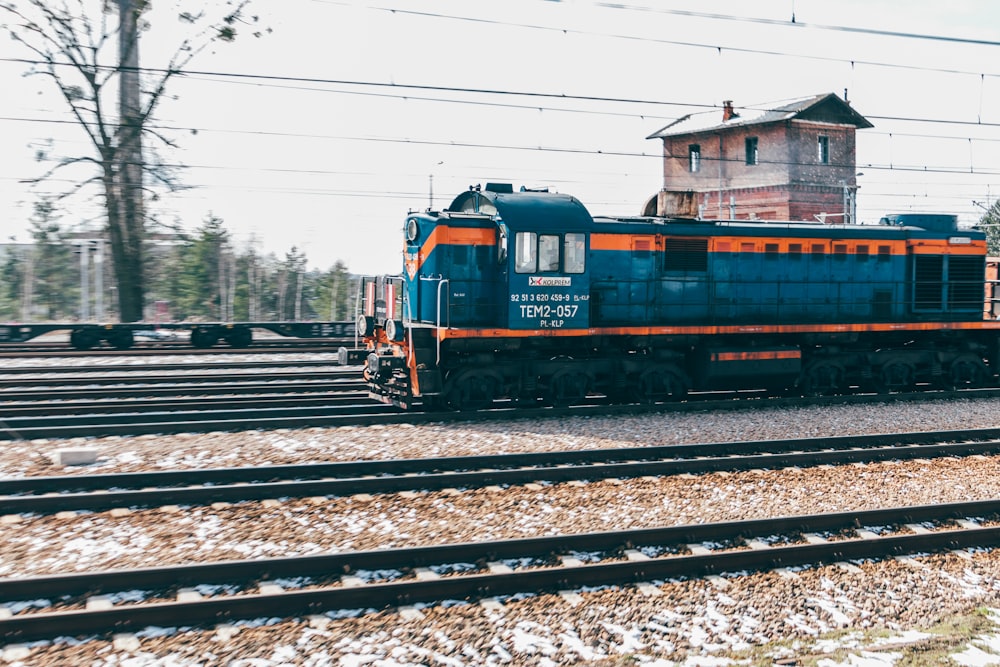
513,93
720,48
793,23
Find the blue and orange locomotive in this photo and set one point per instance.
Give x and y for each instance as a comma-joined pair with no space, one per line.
526,296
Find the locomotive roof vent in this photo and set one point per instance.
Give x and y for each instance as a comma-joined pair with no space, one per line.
932,222
499,187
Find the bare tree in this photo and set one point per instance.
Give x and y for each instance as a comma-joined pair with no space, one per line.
989,222
72,43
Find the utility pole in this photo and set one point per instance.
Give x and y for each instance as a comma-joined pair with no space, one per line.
130,164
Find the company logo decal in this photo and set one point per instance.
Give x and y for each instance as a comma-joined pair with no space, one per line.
551,281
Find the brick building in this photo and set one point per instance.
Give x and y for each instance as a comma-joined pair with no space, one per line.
791,162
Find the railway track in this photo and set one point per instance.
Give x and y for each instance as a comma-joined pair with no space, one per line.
141,422
88,401
41,410
168,367
49,494
142,377
29,419
263,346
476,571
96,394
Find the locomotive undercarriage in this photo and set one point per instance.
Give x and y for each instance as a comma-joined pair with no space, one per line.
472,374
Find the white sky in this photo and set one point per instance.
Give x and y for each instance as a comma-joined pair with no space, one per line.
332,166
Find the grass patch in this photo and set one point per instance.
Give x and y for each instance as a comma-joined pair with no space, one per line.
944,637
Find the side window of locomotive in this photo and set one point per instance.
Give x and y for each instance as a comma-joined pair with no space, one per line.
501,245
575,252
548,253
525,258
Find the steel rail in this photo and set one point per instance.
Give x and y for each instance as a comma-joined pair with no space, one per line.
63,427
133,379
196,421
140,346
145,368
150,489
93,393
34,626
148,405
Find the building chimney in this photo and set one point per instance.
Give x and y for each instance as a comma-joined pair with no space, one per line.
727,111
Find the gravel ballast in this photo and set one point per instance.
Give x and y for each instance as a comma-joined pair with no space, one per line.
688,619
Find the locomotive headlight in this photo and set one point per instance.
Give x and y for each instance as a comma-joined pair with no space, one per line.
372,363
381,366
365,325
412,229
394,330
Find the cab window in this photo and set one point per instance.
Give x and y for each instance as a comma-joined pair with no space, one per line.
526,256
548,253
575,252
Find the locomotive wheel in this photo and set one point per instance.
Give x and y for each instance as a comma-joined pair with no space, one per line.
82,339
821,378
568,387
121,340
240,337
471,391
203,338
432,403
660,384
896,376
968,371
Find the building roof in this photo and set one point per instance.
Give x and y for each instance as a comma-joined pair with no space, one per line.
826,107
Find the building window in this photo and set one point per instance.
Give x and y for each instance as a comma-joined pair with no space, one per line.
694,158
823,149
751,146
